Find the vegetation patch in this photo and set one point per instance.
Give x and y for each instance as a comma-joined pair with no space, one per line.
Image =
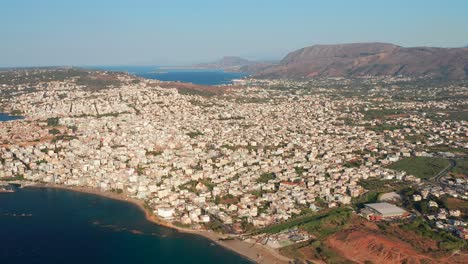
368,197
456,204
329,223
15,178
266,177
53,121
16,113
461,169
54,131
194,134
63,138
445,148
421,167
188,91
226,199
447,241
313,249
98,82
382,113
319,224
381,186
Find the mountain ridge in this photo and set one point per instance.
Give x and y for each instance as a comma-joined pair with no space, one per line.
370,59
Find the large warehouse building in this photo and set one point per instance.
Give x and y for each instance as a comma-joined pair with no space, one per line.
380,211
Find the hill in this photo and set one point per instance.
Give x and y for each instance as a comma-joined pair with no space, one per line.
257,67
225,63
370,59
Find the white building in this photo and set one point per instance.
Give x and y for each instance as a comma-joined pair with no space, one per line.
165,212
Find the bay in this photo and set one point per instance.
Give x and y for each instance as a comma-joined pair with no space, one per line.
47,225
202,77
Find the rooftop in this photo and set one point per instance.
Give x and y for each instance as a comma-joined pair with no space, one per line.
386,208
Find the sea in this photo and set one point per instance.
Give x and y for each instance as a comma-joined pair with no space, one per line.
47,225
202,77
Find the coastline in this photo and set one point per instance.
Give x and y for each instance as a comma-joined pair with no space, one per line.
253,251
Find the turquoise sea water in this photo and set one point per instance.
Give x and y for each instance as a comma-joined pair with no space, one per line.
44,225
204,77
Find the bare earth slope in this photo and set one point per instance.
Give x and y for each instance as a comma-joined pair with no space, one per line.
374,59
361,246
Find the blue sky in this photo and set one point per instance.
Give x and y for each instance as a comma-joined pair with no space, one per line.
175,32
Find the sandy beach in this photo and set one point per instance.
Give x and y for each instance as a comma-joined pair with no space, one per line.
253,251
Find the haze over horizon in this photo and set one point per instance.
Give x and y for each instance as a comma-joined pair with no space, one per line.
142,32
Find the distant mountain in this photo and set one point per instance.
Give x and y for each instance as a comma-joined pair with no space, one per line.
258,67
225,63
371,59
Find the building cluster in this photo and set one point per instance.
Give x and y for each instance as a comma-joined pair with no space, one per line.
255,155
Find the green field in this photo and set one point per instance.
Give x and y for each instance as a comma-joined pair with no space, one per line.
462,167
454,204
382,186
421,167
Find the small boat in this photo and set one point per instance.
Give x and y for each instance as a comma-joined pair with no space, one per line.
6,189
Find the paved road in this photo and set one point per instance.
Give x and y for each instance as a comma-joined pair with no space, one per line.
438,177
227,228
